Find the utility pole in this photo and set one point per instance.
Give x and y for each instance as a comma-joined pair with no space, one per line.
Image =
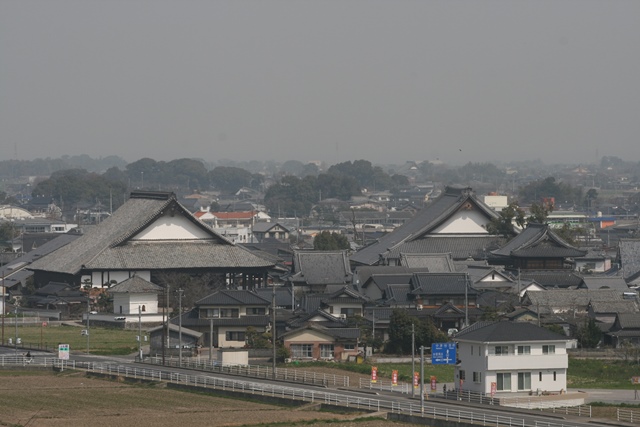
210,339
422,379
88,314
4,308
273,329
16,323
180,290
466,300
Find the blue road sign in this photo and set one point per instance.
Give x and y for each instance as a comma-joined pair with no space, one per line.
443,353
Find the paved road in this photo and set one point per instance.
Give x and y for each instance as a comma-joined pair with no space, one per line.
611,396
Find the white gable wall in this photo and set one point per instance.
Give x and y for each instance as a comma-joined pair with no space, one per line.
100,278
464,222
129,302
172,228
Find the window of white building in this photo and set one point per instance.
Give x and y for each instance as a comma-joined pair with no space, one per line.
548,349
503,381
524,380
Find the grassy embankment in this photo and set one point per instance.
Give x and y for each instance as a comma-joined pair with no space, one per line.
102,341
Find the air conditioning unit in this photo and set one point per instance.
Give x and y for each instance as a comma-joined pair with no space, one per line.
342,316
419,307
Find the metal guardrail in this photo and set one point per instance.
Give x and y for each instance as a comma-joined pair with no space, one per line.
628,415
312,396
256,371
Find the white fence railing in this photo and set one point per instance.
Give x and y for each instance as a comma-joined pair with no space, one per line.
257,371
382,385
628,415
291,393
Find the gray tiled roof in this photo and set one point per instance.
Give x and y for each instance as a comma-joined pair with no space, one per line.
629,256
433,263
565,298
381,281
604,282
398,294
626,306
191,319
135,284
424,221
460,247
497,332
538,241
107,246
321,267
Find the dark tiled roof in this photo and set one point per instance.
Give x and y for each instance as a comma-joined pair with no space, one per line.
283,296
337,333
551,278
398,294
321,267
330,321
191,319
629,320
135,284
423,222
507,332
233,297
441,284
108,245
538,241
381,281
263,227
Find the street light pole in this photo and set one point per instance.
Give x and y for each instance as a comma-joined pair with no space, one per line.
180,290
140,332
413,358
88,314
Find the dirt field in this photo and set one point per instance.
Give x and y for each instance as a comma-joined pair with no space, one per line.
40,399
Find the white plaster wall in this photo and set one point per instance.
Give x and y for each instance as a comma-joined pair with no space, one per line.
222,336
98,278
463,222
172,228
533,363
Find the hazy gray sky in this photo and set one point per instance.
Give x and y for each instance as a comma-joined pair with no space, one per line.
340,80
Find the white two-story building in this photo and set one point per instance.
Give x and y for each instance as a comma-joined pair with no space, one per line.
510,357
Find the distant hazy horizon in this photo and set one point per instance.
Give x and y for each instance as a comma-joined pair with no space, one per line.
386,81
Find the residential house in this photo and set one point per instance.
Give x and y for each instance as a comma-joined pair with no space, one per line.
509,357
314,270
170,336
315,342
135,295
270,230
224,316
625,331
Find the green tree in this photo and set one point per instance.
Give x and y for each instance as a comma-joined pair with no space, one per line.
257,339
589,335
329,241
539,212
503,224
400,328
229,179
